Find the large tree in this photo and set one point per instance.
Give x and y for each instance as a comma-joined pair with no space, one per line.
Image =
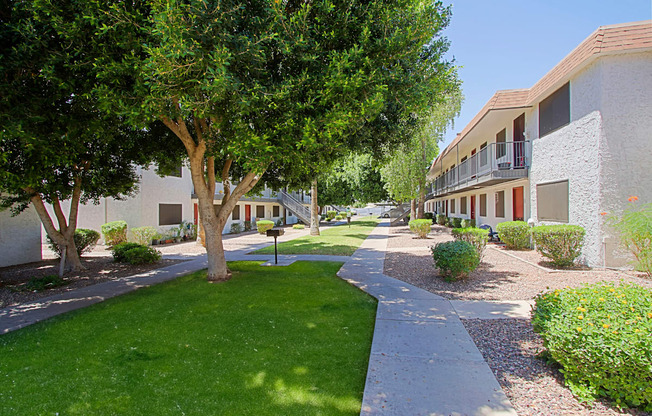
249,87
353,179
55,143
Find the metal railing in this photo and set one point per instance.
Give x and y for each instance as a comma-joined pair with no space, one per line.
293,204
506,160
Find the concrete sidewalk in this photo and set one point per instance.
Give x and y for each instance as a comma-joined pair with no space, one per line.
423,361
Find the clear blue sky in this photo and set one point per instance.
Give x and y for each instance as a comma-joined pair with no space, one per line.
507,44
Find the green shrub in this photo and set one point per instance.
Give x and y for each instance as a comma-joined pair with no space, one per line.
119,251
331,214
264,225
515,234
428,216
247,225
420,227
468,223
114,233
84,238
144,235
600,335
338,217
279,222
298,226
635,229
441,219
560,243
354,213
456,222
329,219
38,284
449,222
142,255
455,259
236,228
477,237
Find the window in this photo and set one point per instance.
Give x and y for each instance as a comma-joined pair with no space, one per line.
500,204
276,211
554,111
235,215
552,201
483,205
169,214
452,205
463,205
260,211
483,154
501,147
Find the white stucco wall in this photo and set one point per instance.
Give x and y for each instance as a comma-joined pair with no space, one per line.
20,238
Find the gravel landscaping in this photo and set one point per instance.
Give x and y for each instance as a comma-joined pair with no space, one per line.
510,347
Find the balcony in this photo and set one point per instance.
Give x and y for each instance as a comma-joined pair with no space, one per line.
496,163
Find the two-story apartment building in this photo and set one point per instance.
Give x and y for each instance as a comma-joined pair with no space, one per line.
576,144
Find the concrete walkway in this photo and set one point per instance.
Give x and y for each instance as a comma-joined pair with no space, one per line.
423,361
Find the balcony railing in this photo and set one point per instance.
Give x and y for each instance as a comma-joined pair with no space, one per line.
497,161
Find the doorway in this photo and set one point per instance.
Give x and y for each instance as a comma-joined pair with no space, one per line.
473,207
247,212
519,141
518,206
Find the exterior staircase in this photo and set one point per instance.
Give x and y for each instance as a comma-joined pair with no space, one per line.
294,205
398,214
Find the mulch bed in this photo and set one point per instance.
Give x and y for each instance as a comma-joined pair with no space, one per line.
98,270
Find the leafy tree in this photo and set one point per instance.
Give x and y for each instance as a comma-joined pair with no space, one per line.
55,144
249,88
354,179
405,172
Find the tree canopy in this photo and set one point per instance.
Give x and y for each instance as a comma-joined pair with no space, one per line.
354,179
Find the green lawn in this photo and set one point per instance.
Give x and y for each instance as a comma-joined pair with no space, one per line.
339,240
271,341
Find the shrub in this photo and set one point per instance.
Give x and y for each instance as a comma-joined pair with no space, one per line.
515,234
331,214
119,251
600,335
236,228
279,222
455,259
449,222
635,229
264,225
142,255
298,226
456,222
441,219
39,284
468,223
114,233
84,238
477,237
560,243
420,227
338,217
144,235
329,219
354,213
247,225
428,216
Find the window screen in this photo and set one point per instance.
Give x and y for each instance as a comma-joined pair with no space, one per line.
260,211
276,211
235,215
552,201
500,204
463,205
554,111
169,214
483,205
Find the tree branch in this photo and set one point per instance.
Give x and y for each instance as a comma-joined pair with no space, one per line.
210,167
226,182
58,212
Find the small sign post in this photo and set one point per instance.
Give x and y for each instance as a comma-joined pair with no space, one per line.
275,234
348,216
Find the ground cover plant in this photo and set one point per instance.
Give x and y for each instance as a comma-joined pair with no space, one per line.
600,335
341,240
283,340
515,234
562,244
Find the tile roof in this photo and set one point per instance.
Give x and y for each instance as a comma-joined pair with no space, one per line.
611,39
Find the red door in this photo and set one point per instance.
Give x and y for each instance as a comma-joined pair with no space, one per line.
517,204
247,212
196,217
472,207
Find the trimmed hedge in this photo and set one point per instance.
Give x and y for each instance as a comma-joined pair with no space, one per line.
264,225
85,241
560,243
119,251
331,214
420,227
515,234
455,259
114,232
477,237
600,335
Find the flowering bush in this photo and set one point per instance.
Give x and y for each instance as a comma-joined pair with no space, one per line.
420,227
455,259
560,243
635,229
515,234
477,237
600,335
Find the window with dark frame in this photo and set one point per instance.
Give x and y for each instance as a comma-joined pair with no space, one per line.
483,205
276,211
554,111
483,154
552,201
260,211
452,205
501,149
170,214
463,205
235,215
500,204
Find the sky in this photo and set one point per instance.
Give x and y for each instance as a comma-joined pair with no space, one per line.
508,44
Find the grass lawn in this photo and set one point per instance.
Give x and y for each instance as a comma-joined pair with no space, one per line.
271,341
339,240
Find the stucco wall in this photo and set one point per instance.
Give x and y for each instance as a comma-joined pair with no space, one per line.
20,238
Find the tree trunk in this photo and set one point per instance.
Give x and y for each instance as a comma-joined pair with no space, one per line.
314,209
422,203
413,209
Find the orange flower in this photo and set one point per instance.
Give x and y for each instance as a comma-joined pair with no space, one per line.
632,198
603,213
